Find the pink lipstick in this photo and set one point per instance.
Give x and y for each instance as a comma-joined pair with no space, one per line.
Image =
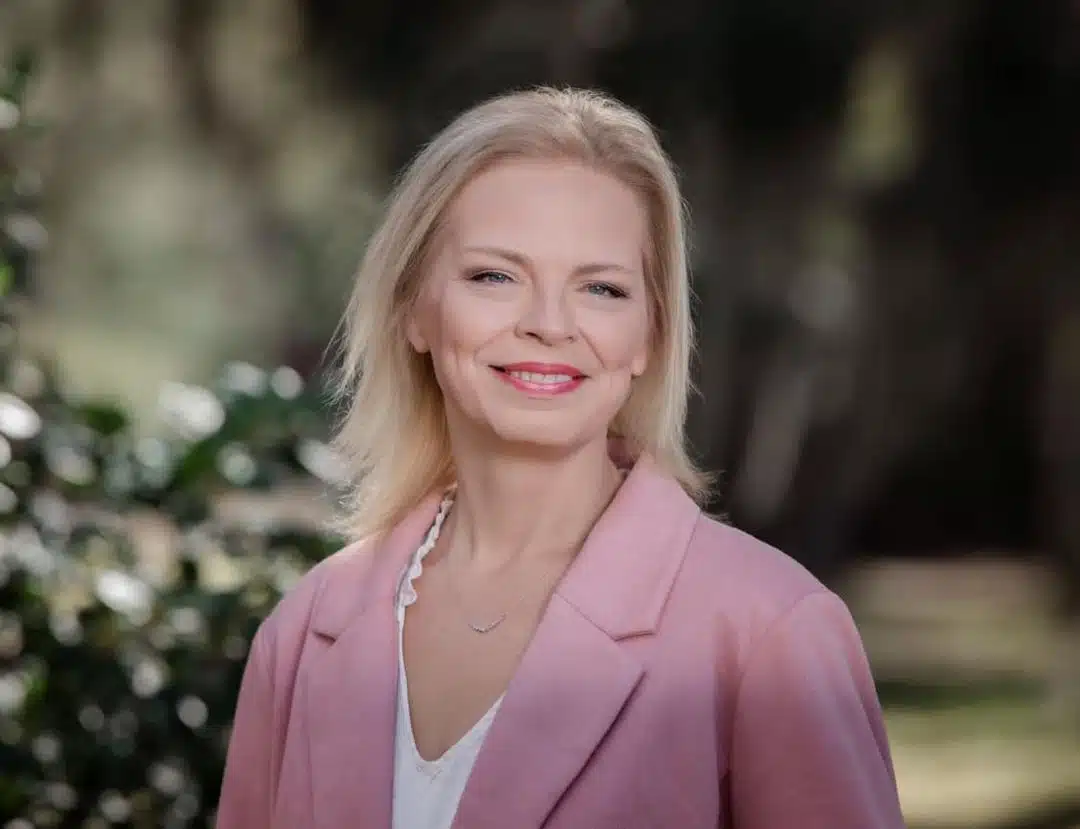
541,379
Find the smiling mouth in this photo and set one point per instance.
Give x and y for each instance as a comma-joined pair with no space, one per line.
540,377
552,380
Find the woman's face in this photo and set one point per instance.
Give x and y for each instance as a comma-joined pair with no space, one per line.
534,309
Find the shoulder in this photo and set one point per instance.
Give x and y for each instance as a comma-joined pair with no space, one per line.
792,682
763,574
747,585
759,606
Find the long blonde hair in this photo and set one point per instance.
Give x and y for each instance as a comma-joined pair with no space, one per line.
393,433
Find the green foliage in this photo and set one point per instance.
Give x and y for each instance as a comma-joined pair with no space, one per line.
127,602
118,680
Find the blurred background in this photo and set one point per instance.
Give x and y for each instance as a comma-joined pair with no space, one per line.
886,256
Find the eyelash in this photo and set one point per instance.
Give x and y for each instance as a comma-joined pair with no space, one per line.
613,291
479,276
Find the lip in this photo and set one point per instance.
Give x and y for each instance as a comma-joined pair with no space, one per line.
541,389
543,368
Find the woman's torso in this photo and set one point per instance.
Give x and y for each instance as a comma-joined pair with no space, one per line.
626,707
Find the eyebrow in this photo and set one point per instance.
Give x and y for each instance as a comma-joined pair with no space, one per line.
523,261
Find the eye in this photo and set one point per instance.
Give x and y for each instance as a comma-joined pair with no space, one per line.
491,277
606,289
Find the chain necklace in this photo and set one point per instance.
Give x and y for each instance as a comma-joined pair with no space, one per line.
476,628
490,626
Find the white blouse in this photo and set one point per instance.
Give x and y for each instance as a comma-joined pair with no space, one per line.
426,792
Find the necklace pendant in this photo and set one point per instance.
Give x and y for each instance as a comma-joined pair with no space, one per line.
490,626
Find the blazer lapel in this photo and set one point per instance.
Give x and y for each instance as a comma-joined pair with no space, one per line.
575,678
567,692
350,702
350,693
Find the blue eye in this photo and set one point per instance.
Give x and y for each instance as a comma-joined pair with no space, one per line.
605,289
492,277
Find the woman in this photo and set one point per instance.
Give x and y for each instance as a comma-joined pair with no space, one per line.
536,624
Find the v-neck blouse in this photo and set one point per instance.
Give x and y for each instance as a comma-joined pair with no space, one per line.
427,792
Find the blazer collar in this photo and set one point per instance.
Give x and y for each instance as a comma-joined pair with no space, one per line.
620,579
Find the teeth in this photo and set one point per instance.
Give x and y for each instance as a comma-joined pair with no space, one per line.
548,379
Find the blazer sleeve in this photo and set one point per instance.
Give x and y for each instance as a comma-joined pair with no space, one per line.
248,785
808,746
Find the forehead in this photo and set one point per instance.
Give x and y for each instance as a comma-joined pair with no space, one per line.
535,206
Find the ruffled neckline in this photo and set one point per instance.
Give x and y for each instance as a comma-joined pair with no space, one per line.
407,592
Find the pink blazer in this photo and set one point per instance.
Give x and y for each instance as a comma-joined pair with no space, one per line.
683,675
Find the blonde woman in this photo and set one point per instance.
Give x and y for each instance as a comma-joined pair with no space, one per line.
536,625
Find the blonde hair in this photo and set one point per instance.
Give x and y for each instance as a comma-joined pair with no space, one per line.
393,433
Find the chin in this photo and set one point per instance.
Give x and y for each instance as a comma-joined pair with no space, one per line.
547,435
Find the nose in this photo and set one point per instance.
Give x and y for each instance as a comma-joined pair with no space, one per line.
547,317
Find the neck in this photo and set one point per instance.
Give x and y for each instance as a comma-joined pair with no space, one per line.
512,508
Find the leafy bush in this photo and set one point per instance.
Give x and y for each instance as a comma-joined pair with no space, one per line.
129,589
119,671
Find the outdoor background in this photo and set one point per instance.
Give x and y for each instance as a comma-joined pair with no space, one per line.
886,256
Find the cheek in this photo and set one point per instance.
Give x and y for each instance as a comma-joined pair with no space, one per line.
459,336
624,347
463,326
443,330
